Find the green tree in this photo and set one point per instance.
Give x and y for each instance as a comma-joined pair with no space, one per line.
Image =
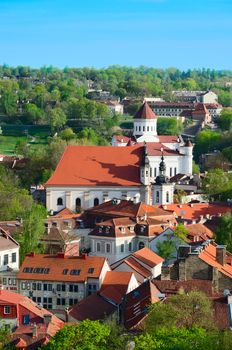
67,134
33,230
206,141
224,231
88,335
182,310
217,183
225,120
181,232
225,98
169,126
33,113
57,118
196,168
166,249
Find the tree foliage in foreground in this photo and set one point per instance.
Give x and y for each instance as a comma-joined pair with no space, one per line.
88,335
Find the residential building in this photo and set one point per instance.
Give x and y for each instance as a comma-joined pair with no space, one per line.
115,107
58,281
201,113
31,325
144,263
9,252
196,96
207,261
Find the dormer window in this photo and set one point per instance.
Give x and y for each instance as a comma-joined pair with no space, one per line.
131,228
100,229
122,229
107,229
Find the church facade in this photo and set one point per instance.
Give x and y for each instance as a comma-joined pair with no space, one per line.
90,175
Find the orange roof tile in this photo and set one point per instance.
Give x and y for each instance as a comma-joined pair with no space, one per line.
57,265
208,255
98,166
136,266
147,256
115,285
194,211
145,112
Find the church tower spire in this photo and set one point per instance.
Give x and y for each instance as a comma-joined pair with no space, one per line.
145,124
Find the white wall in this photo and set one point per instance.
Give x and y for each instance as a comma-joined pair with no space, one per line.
9,252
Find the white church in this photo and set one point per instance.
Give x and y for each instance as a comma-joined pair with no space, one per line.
90,175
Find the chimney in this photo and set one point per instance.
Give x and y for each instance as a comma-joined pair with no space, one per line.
31,254
47,319
84,256
221,254
183,251
34,331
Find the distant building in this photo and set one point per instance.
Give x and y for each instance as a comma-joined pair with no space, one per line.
196,96
115,107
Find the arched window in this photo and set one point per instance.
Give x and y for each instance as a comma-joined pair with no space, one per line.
78,204
167,197
96,202
157,196
59,201
98,247
141,245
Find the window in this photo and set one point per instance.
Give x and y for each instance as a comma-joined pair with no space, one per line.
23,285
75,272
26,319
157,196
13,257
65,271
78,203
59,201
4,280
60,301
141,245
96,202
39,286
92,288
47,303
150,172
73,288
122,248
175,171
143,128
139,128
122,229
91,270
72,301
155,172
5,259
45,287
108,248
130,247
33,286
28,269
9,281
167,197
98,247
147,128
7,310
170,172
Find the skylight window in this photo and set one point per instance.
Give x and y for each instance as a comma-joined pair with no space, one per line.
65,271
91,270
75,272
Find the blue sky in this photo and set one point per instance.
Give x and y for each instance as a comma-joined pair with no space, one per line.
159,33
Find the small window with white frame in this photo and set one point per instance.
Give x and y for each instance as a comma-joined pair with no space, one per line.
7,310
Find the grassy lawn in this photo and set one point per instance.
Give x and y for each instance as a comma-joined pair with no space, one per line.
11,134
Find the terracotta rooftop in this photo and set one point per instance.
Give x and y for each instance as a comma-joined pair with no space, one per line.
171,287
200,109
98,166
194,211
6,241
94,307
124,208
137,303
115,285
148,257
59,268
158,148
137,267
208,255
145,112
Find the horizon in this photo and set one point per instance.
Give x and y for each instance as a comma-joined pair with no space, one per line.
150,33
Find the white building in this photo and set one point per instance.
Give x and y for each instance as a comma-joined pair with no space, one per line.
9,252
89,175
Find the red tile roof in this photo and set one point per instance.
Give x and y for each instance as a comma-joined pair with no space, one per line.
57,265
137,303
94,307
115,285
145,112
208,255
121,138
171,287
168,139
199,230
65,214
148,257
137,267
200,109
157,149
98,166
194,211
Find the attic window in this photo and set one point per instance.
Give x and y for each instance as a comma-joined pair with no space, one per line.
122,229
75,272
41,270
28,269
65,271
91,270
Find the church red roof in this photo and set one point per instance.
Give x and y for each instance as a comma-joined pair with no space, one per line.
98,166
145,112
